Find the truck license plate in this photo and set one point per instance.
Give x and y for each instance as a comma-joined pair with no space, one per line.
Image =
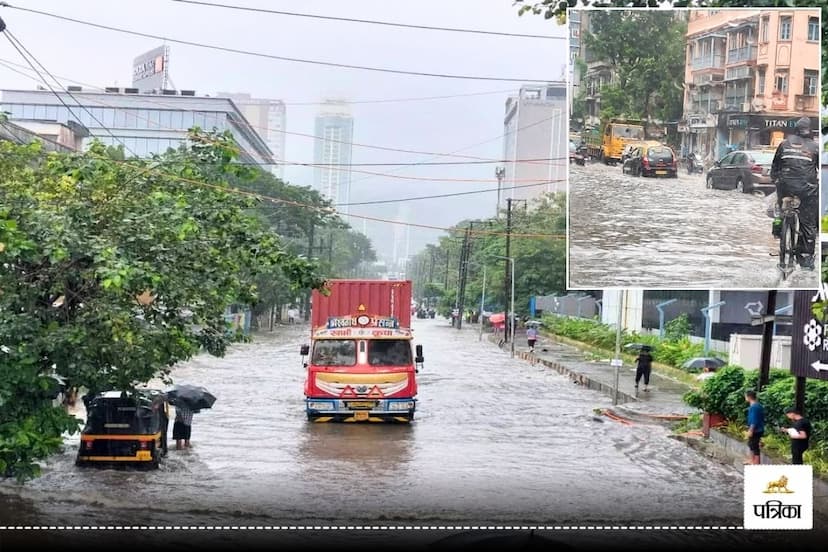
361,404
361,415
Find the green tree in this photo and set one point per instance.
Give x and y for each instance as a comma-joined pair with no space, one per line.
114,271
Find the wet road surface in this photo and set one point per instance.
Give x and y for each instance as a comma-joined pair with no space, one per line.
627,231
495,441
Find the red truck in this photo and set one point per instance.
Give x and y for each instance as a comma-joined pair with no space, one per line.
361,366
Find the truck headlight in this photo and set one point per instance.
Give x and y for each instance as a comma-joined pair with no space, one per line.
320,405
401,405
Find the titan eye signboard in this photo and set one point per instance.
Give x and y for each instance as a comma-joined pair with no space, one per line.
149,70
809,336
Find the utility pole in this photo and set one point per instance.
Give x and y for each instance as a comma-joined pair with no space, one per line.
500,173
508,284
464,270
448,256
307,306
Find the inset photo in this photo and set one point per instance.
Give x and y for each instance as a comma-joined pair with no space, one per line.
694,149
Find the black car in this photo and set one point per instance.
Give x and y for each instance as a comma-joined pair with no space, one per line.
746,171
651,160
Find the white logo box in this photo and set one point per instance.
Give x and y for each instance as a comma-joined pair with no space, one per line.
779,496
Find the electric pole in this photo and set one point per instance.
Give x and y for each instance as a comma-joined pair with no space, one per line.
507,280
464,269
307,305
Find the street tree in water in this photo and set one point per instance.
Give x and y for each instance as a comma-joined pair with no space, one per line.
113,271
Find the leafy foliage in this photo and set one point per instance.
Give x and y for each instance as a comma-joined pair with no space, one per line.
114,271
540,258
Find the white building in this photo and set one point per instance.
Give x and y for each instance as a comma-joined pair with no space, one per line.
334,131
268,117
535,129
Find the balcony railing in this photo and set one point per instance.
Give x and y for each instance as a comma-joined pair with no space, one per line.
738,55
708,61
737,73
805,103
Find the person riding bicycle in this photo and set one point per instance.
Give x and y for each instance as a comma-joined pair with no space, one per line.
794,171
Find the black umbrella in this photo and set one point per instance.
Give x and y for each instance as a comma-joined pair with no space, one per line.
699,363
191,396
639,346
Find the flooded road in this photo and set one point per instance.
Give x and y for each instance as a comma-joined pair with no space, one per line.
626,231
495,441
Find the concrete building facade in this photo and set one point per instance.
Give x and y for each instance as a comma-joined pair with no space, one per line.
535,127
334,133
750,74
144,124
269,118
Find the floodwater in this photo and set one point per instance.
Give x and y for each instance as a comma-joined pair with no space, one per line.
627,231
495,441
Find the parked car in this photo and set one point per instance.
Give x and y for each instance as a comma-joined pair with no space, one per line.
746,171
575,154
651,159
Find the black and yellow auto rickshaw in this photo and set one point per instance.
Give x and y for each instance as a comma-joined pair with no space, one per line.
125,428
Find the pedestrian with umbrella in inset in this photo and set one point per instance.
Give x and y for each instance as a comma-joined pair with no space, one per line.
187,399
643,367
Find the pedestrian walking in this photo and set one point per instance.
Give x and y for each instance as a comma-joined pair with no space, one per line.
182,426
643,367
756,426
531,337
799,432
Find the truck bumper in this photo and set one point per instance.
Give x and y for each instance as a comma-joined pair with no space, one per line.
381,410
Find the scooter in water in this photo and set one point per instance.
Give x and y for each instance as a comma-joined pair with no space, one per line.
694,164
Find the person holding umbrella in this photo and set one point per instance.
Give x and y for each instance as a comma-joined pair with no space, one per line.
187,399
644,365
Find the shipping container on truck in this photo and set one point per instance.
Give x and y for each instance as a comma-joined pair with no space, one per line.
361,366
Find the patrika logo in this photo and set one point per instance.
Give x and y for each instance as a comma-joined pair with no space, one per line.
778,486
778,497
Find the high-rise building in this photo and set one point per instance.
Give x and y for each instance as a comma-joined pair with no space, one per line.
268,118
750,75
143,124
332,152
535,141
574,21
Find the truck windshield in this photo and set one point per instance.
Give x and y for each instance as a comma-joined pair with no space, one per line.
334,352
389,352
627,131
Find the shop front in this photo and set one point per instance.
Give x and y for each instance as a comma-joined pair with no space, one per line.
770,130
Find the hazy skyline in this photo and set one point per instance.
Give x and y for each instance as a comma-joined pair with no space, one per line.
104,58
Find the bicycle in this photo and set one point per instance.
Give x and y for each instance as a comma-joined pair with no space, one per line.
790,235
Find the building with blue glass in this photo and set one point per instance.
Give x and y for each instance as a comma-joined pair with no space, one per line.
144,124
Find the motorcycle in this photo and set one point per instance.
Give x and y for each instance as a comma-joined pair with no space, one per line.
694,164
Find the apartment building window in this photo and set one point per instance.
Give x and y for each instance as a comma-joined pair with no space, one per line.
760,83
764,33
811,82
785,23
813,29
782,83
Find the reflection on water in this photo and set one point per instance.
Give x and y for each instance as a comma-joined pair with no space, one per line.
669,233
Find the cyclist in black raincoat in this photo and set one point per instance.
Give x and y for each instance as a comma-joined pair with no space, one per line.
794,171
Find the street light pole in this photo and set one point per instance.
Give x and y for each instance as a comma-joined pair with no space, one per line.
482,303
616,362
512,261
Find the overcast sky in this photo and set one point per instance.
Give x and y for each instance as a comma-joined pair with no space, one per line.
104,58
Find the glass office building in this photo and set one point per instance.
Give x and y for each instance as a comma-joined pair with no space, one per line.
144,123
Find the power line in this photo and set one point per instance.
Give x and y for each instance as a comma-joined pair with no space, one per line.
304,103
370,21
17,46
272,56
